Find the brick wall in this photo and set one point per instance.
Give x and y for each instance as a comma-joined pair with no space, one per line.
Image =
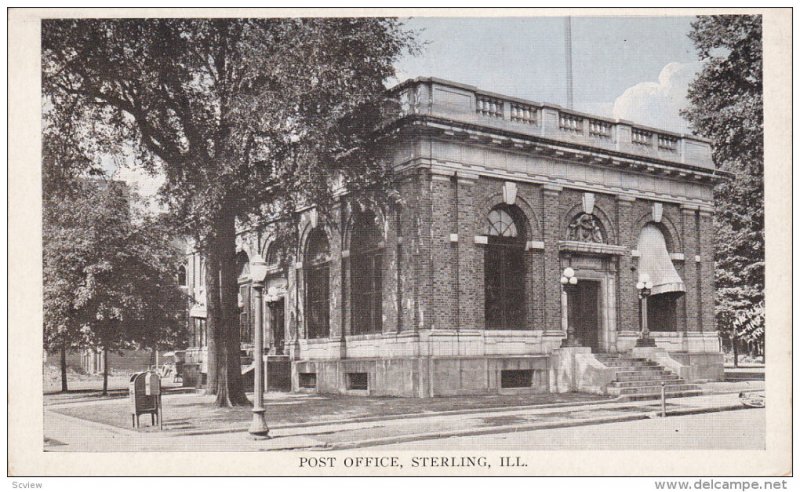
443,252
627,299
551,287
690,270
470,257
431,280
706,236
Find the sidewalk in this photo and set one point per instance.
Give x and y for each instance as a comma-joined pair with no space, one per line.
72,434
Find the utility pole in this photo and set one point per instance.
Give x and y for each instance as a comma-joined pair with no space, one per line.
568,53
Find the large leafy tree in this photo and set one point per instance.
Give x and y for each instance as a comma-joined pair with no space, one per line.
727,107
244,118
109,277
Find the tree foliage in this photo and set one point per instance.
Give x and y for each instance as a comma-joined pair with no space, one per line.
109,281
727,107
246,118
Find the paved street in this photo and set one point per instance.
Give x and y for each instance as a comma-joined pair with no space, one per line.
740,429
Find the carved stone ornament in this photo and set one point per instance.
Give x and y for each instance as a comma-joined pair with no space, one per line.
585,228
658,211
509,193
588,203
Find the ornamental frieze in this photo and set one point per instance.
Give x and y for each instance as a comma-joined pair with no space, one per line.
585,228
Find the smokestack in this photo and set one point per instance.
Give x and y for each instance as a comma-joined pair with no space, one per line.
568,53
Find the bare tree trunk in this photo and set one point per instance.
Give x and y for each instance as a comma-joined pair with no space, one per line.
230,391
214,334
64,367
105,371
735,349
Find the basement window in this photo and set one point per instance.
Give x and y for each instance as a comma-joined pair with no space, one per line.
308,380
357,381
516,378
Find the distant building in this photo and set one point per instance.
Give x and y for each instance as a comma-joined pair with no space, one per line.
458,291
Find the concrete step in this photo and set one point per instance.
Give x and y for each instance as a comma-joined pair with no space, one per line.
670,390
618,357
641,379
617,361
657,396
631,365
643,390
643,374
648,382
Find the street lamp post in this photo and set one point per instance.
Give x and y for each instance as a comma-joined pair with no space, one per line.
644,286
569,282
258,273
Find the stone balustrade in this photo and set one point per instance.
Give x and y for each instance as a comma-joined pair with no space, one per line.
461,103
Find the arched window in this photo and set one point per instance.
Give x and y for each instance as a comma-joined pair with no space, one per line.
317,280
366,258
182,276
245,309
504,269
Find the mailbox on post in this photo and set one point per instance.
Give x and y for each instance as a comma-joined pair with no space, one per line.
145,397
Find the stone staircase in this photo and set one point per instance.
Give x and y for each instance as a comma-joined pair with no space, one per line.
640,379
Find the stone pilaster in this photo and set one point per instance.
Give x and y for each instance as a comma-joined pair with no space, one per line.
690,250
551,286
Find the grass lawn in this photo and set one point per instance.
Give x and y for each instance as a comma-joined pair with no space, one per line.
195,412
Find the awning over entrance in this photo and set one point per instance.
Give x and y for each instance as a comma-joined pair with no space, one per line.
654,260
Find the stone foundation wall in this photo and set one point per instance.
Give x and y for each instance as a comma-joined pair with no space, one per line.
424,376
703,366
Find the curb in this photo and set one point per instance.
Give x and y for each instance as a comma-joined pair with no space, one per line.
520,428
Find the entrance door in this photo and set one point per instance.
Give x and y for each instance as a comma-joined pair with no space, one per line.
584,313
276,322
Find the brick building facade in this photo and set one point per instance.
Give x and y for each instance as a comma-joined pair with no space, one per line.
457,290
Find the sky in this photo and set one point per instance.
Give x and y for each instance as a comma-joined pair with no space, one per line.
634,68
630,68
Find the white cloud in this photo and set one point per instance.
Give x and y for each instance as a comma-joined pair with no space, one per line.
658,104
